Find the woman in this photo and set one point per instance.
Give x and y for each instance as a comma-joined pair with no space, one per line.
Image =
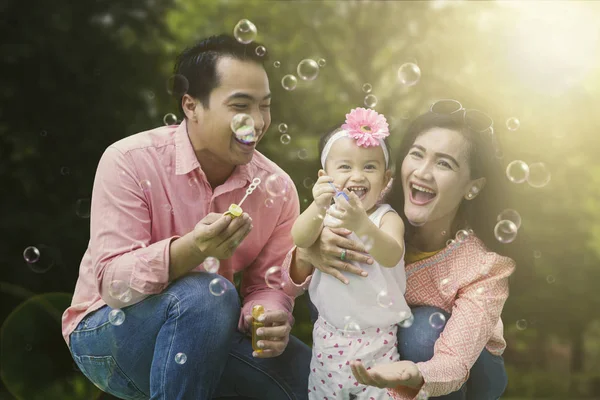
445,188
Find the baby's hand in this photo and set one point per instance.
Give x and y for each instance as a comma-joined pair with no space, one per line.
350,212
323,191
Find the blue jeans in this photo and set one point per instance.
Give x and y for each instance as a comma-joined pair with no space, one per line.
487,379
136,360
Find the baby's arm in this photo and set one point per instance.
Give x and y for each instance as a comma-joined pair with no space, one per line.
309,224
388,240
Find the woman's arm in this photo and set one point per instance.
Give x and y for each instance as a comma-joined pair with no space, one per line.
388,240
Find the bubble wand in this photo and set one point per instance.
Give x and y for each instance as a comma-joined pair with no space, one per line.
339,192
235,210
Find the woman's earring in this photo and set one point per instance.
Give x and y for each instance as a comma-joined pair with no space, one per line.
470,196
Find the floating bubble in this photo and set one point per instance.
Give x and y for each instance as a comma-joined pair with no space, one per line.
277,185
269,202
322,62
167,207
505,231
242,125
510,215
31,254
119,290
116,317
177,85
370,100
285,138
513,124
517,171
273,277
384,300
550,279
43,133
303,154
422,395
521,324
409,74
217,287
406,319
145,185
537,254
211,265
289,82
367,88
462,235
448,287
450,242
244,31
437,320
82,208
539,176
260,51
64,171
283,128
277,64
351,327
308,69
308,183
180,358
479,291
170,119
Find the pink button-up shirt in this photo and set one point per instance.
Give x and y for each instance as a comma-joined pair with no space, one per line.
149,190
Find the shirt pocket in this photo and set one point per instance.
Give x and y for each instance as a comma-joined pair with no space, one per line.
104,372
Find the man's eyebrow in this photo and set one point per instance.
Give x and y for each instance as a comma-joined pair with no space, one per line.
246,96
448,156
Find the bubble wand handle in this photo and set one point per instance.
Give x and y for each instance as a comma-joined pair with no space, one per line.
339,192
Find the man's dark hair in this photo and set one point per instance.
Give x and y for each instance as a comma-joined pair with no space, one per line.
196,67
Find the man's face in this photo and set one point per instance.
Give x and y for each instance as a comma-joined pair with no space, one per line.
243,88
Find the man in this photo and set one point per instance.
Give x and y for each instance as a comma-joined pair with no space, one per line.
182,335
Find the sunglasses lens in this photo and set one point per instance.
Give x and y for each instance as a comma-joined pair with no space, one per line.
446,107
478,121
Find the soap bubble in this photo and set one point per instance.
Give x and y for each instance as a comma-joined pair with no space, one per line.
517,171
244,31
302,154
409,74
277,64
269,202
308,69
289,82
119,290
82,208
450,242
539,176
322,62
170,119
177,85
437,320
260,51
308,183
521,324
31,254
180,358
384,299
422,395
277,185
351,327
64,171
367,88
116,317
550,279
273,277
462,235
406,319
370,100
242,125
211,265
505,231
510,215
145,185
282,128
285,139
513,124
217,287
537,254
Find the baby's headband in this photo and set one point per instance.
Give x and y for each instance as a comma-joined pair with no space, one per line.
368,127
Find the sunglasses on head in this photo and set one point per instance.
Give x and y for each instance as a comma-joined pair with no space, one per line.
476,120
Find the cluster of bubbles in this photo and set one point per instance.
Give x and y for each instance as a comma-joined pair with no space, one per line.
307,70
536,175
460,236
284,138
242,125
507,226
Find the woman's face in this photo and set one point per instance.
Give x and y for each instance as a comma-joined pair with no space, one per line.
436,176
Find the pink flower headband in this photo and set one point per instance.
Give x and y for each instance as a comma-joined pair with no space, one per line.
368,127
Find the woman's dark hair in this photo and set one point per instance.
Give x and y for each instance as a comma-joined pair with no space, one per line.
480,213
195,69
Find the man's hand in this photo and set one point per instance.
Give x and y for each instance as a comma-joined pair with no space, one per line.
217,235
276,333
403,373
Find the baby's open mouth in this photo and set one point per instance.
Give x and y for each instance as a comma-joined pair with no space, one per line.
360,191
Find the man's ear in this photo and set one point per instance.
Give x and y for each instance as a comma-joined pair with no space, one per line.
190,107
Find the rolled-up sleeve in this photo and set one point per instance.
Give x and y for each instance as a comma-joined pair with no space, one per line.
254,288
475,314
121,231
289,286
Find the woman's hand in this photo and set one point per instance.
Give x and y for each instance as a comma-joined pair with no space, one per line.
325,254
403,373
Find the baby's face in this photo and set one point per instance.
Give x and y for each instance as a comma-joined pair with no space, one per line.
359,169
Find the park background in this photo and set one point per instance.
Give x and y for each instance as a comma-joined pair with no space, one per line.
80,75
